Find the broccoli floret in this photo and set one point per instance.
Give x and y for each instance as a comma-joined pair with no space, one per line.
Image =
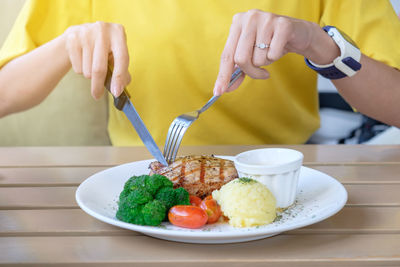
146,199
124,194
134,187
127,188
130,212
128,183
140,196
136,182
181,196
149,183
165,181
154,212
156,181
167,196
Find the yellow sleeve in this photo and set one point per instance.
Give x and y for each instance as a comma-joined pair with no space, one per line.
41,21
373,25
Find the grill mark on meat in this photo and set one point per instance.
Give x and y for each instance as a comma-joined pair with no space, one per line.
192,171
221,170
183,171
202,170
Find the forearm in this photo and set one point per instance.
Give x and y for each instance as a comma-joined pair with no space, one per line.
28,80
374,91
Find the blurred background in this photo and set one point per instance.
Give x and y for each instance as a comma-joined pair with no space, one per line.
70,117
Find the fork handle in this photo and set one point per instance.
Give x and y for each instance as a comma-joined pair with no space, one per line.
235,75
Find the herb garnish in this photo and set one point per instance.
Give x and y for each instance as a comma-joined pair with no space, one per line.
245,180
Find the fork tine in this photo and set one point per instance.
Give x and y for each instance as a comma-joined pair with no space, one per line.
180,134
168,140
174,137
170,137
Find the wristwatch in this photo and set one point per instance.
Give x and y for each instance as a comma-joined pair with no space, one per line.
345,65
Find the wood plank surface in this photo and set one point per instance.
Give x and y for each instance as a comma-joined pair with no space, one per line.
373,195
54,222
366,174
73,176
70,222
64,197
285,250
41,223
37,197
111,156
62,176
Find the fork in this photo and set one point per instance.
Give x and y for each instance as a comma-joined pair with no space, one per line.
181,123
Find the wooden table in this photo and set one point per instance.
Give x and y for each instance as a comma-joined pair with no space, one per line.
40,222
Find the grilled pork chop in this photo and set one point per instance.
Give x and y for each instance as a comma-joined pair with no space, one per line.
199,175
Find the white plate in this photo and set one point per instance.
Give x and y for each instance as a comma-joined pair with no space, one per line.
319,197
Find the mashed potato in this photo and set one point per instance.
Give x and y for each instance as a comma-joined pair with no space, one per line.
246,202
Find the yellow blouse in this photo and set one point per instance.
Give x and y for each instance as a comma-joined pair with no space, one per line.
175,47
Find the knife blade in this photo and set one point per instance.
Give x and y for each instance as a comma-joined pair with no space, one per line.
123,103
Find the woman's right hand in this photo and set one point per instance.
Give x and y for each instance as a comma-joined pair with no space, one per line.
91,47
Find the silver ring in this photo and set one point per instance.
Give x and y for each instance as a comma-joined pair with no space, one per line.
262,45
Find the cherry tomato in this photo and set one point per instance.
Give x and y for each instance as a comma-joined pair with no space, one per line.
195,201
208,197
212,209
187,216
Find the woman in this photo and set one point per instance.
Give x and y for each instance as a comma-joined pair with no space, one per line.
172,50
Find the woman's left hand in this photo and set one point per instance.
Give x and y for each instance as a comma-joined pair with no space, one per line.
258,38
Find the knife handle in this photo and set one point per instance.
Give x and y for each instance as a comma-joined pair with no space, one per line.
120,101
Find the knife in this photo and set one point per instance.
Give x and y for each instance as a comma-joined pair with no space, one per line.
123,103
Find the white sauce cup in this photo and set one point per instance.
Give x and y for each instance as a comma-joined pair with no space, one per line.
277,168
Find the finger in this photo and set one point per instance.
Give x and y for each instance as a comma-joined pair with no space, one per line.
99,68
244,52
236,84
120,77
87,60
280,39
264,36
227,61
74,50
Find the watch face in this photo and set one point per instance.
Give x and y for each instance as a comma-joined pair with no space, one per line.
347,38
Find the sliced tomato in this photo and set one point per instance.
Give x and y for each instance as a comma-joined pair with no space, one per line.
187,216
212,209
194,200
